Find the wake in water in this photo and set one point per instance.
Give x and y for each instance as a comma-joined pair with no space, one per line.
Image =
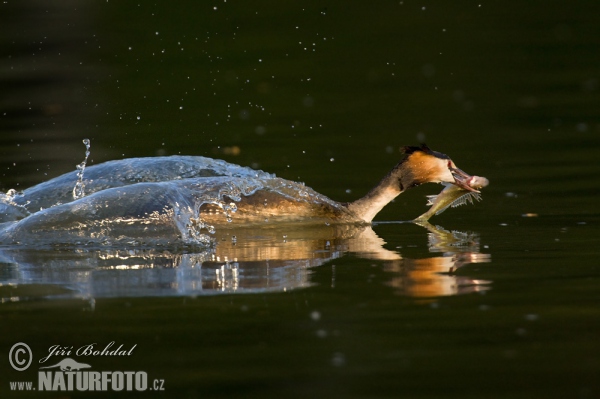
141,202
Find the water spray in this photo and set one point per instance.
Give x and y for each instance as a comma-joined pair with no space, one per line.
79,189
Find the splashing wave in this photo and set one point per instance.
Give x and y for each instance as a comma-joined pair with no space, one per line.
138,201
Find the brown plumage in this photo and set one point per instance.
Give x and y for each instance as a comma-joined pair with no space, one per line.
419,165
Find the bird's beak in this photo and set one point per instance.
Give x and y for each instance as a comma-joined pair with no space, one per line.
462,179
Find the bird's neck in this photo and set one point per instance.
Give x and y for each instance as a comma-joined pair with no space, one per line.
389,188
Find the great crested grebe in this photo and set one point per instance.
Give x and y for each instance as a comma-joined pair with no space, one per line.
271,203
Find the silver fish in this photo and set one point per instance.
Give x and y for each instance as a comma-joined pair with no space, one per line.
453,196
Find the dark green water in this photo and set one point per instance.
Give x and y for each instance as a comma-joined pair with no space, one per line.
326,94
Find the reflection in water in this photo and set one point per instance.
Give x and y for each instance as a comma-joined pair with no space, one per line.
434,276
244,260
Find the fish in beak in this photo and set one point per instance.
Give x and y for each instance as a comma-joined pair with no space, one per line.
453,196
462,179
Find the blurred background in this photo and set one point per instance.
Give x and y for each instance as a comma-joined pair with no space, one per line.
324,93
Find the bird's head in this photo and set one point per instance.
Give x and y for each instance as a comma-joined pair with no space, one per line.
423,165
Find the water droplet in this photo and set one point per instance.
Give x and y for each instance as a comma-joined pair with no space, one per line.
321,333
338,359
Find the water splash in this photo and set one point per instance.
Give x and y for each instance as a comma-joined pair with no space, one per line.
10,209
79,189
10,194
195,229
143,202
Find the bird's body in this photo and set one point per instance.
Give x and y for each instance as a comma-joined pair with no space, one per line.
419,165
270,204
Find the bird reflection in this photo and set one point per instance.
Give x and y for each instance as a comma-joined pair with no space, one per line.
435,275
244,260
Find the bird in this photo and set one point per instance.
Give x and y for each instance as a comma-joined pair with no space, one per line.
286,201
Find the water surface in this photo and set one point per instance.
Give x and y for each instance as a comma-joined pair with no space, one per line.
499,302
